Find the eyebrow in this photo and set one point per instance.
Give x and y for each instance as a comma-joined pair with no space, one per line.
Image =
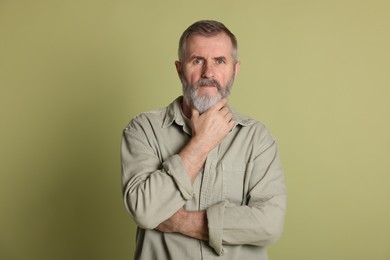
196,57
214,58
220,58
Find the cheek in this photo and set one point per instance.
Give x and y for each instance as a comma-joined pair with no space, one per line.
224,78
192,76
229,75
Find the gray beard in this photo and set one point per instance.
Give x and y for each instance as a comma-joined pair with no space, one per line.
204,102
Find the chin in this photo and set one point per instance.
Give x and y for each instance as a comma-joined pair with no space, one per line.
204,103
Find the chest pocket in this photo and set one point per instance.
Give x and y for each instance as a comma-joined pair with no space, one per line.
235,182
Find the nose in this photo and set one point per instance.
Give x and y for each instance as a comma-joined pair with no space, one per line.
207,70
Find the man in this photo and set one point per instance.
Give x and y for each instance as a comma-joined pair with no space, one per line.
201,180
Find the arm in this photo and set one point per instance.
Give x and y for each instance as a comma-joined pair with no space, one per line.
188,223
259,222
208,130
143,176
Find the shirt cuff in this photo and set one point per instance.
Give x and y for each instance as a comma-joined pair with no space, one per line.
175,168
215,215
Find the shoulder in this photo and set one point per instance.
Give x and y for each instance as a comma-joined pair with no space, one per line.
253,129
248,122
146,120
157,118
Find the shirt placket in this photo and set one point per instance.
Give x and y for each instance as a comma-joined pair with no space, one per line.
206,194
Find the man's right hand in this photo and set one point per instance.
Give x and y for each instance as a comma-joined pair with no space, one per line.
208,130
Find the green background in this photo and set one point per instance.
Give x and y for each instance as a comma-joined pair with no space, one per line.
73,73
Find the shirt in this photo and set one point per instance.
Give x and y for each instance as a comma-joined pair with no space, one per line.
241,187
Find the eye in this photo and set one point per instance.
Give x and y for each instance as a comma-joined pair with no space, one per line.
220,61
198,61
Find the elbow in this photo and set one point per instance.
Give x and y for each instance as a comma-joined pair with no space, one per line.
267,235
270,232
271,226
144,221
274,235
144,218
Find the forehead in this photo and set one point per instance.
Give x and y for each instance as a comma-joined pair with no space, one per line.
216,45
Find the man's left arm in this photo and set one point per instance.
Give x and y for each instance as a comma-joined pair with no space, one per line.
260,222
188,223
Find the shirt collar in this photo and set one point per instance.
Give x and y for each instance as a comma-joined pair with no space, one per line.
174,114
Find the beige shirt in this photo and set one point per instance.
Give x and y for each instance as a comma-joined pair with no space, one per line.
241,187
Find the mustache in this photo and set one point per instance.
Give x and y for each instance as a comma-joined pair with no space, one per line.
203,82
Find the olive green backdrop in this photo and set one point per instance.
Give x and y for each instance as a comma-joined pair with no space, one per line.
73,73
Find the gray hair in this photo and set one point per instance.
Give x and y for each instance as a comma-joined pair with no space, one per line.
206,28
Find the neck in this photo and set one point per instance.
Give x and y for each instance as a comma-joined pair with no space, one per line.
186,109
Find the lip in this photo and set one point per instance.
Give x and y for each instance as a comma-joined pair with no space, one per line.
208,86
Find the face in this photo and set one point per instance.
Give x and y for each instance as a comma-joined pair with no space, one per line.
208,71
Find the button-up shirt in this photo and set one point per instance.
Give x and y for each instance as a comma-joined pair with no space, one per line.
241,187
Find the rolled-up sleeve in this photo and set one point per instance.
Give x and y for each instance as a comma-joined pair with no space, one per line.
174,167
260,220
153,190
215,217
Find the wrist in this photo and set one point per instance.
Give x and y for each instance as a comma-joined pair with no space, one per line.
200,145
193,156
196,225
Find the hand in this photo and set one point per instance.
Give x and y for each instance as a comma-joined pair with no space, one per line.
211,127
208,130
189,223
174,223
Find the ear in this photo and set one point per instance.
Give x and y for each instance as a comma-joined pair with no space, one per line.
236,68
178,67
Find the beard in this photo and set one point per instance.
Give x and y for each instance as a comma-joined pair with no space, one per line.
203,102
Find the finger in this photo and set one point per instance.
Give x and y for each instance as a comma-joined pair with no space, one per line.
221,104
194,113
225,111
229,117
232,123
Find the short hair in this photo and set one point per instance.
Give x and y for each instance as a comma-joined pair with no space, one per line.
206,28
